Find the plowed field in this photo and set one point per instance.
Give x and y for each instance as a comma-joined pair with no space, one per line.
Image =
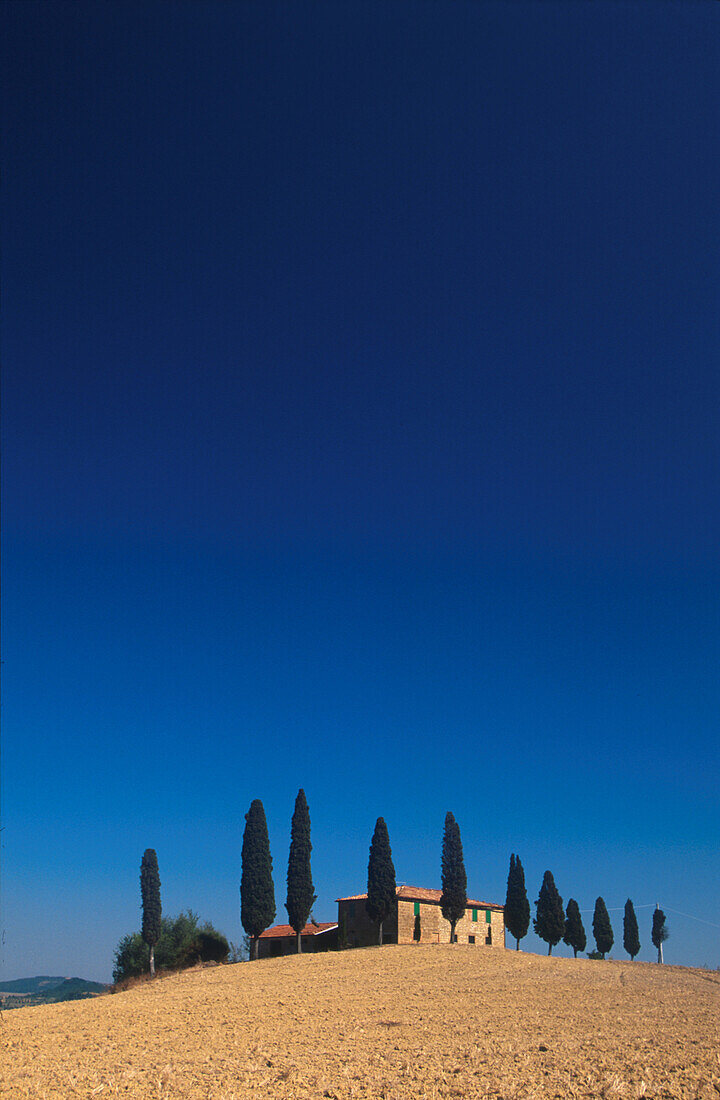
393,1022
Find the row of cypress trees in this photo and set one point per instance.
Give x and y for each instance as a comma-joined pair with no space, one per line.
552,924
257,892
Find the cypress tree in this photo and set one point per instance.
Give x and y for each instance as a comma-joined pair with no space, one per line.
382,891
151,907
631,935
453,902
300,890
517,906
549,922
574,930
659,932
257,893
602,929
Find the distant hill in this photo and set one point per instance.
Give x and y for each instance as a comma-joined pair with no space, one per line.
45,990
31,985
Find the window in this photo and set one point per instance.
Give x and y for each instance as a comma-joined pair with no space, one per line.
471,939
351,909
416,909
488,916
474,916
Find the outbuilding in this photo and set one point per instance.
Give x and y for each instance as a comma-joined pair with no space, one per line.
281,939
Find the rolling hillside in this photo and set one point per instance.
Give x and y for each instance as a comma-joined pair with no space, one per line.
24,992
393,1022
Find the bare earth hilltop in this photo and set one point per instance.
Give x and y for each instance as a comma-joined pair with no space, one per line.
416,1021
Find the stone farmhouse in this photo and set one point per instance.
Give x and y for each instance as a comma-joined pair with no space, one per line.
483,923
282,940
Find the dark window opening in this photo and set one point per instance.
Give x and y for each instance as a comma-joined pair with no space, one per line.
471,939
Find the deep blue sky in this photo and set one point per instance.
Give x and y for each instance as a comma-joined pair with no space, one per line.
361,433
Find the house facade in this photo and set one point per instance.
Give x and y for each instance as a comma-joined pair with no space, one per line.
281,939
416,917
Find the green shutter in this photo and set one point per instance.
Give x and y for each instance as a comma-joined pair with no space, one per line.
474,914
488,916
417,909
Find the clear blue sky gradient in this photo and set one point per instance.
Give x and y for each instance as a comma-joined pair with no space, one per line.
361,433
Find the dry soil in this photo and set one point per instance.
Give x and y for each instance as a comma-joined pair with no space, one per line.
391,1022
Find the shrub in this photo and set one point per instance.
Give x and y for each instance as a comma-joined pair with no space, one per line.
209,945
182,943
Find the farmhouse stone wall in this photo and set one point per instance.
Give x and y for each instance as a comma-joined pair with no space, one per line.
361,931
486,930
435,929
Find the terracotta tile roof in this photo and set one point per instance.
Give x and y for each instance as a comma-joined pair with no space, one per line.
280,931
421,893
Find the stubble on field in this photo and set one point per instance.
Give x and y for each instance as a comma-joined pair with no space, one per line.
390,1023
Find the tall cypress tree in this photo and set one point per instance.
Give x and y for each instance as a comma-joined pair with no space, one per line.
517,906
453,902
549,922
300,890
659,932
257,893
382,891
602,929
574,929
151,907
631,934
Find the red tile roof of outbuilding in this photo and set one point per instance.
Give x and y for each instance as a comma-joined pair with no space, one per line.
280,931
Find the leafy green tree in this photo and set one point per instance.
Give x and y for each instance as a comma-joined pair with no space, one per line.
151,907
257,893
453,901
182,943
300,890
132,957
177,935
382,891
517,906
631,934
574,929
602,929
659,932
549,922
